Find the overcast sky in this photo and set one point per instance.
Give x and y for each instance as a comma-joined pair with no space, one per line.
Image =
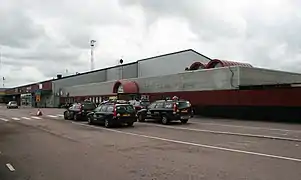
39,39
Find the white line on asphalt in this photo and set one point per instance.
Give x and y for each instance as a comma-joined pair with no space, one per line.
195,144
34,117
27,118
2,119
16,119
60,115
228,133
10,167
247,127
52,116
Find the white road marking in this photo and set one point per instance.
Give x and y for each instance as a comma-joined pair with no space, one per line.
60,115
10,167
248,127
195,144
27,118
52,116
2,119
16,119
229,133
34,117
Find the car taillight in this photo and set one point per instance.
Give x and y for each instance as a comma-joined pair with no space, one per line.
175,108
115,112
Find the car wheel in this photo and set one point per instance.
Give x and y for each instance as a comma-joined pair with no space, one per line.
75,117
66,115
184,121
130,123
141,117
90,121
107,123
164,120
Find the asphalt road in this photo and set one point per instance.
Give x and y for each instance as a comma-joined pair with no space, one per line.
51,148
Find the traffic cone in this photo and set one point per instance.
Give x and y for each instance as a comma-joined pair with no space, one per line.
39,112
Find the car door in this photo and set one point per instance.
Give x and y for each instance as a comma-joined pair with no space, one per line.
71,110
150,110
108,114
96,114
101,114
159,108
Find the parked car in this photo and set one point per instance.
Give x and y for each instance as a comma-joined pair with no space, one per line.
79,111
113,113
166,111
12,105
141,105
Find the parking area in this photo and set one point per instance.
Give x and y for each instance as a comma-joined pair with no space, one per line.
49,147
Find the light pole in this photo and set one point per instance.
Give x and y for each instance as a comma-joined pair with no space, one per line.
92,44
121,62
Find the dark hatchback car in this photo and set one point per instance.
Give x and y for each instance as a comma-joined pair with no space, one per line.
79,111
166,111
111,114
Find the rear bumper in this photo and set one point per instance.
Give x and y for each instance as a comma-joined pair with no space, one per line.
124,120
177,117
12,106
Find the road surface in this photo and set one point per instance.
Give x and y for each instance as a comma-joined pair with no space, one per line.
48,148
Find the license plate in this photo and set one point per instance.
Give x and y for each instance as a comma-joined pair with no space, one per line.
184,111
184,117
126,115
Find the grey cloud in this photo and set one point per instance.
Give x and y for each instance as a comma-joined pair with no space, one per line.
17,29
259,35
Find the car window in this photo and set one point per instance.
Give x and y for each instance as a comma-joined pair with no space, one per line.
125,108
103,108
152,105
110,109
88,106
98,108
183,104
160,105
169,105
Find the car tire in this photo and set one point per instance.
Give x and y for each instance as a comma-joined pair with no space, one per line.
66,115
184,121
141,117
90,120
107,123
75,117
130,124
164,120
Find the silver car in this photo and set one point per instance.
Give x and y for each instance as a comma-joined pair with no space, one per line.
12,105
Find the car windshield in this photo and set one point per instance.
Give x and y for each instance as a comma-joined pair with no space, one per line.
125,108
144,103
13,102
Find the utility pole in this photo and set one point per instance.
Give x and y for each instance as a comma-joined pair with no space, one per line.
92,43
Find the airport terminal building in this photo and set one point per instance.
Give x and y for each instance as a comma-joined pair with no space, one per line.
214,87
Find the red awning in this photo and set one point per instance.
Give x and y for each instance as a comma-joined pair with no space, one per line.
129,87
223,63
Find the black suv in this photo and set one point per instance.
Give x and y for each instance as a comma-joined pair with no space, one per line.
166,111
79,111
113,113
